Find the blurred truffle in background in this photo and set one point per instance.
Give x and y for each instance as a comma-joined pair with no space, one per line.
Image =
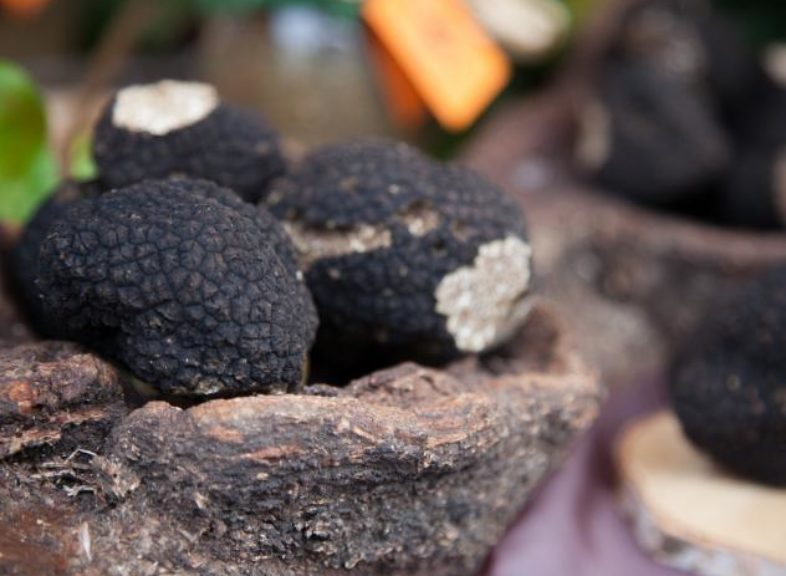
686,117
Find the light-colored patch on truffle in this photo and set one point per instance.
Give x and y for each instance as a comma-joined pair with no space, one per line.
420,219
164,106
593,145
485,303
779,184
313,244
206,387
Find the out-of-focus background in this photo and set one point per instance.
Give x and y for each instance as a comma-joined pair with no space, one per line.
316,68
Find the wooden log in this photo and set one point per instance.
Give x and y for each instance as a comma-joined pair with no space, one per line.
55,397
406,471
690,514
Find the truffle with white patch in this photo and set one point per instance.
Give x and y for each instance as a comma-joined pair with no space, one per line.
728,386
182,128
191,289
405,253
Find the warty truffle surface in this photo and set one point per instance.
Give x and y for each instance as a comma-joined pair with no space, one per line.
183,284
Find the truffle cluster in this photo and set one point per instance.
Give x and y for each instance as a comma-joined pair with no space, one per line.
728,386
685,117
182,128
181,282
198,292
406,253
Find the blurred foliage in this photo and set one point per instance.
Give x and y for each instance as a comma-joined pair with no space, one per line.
27,169
82,167
762,21
580,9
176,20
343,7
173,24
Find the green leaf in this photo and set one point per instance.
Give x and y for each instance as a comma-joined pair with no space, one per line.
82,167
27,168
348,8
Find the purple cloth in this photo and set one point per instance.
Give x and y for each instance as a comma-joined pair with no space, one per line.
573,527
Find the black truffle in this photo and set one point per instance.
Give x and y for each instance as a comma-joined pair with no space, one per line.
694,43
181,128
754,193
24,261
728,386
649,137
405,253
194,291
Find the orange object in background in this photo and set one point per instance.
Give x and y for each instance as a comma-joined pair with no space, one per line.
405,105
455,67
23,8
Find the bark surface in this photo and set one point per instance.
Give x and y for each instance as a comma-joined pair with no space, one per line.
406,471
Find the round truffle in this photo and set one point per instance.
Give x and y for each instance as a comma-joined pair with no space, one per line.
692,42
728,386
406,253
648,137
192,290
754,193
182,128
24,261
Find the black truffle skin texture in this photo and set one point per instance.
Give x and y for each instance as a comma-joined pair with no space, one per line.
24,261
751,195
665,144
728,386
181,283
231,147
694,43
382,301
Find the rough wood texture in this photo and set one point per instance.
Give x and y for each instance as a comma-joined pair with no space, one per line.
406,471
691,515
55,397
639,278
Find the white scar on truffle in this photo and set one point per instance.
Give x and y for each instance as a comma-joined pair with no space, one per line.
313,244
164,106
420,220
485,303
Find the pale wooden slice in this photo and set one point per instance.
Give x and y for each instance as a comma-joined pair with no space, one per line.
690,514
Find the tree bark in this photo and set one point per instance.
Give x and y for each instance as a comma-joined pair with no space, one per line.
407,471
